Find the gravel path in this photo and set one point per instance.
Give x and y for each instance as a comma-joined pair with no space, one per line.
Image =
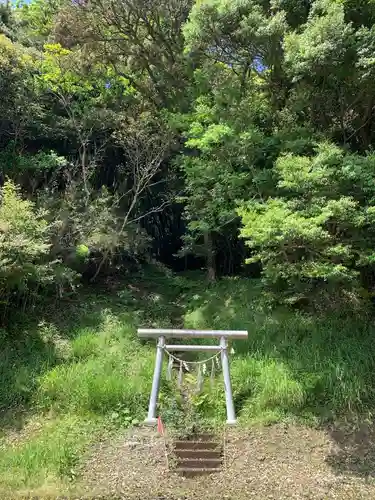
279,462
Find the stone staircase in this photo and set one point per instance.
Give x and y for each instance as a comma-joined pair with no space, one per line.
200,454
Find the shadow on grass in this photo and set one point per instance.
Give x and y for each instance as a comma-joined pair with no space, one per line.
22,360
354,451
35,343
298,366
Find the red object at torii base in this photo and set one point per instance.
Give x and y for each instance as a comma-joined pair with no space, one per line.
160,426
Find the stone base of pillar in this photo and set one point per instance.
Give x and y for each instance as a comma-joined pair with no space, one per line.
150,422
231,422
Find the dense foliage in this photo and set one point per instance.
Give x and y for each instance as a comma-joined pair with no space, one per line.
233,131
136,136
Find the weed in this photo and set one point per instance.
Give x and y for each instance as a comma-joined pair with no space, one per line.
122,417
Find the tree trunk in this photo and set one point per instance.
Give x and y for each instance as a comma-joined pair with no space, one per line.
210,256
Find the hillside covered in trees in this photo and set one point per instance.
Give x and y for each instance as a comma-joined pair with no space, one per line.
207,163
236,136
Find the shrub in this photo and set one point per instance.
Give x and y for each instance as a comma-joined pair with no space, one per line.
24,247
23,241
316,238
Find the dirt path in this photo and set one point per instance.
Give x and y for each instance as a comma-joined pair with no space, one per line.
279,462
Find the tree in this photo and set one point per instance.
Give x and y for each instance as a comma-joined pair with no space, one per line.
142,41
241,112
223,149
90,113
24,249
16,101
328,60
317,235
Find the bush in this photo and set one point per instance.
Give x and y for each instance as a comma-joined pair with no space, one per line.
23,242
24,247
315,239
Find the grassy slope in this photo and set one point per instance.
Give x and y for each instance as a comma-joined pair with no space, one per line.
79,371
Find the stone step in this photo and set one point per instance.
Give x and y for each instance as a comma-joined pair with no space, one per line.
197,445
198,454
192,463
196,472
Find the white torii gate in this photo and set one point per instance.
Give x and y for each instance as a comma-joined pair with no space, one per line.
162,334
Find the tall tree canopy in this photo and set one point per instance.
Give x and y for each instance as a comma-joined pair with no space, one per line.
235,131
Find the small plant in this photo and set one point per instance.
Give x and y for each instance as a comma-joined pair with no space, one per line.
172,413
122,417
182,409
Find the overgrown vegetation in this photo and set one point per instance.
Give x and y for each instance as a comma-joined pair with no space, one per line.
216,132
231,136
81,374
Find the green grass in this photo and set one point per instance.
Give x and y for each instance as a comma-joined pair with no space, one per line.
48,456
293,365
80,370
107,369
